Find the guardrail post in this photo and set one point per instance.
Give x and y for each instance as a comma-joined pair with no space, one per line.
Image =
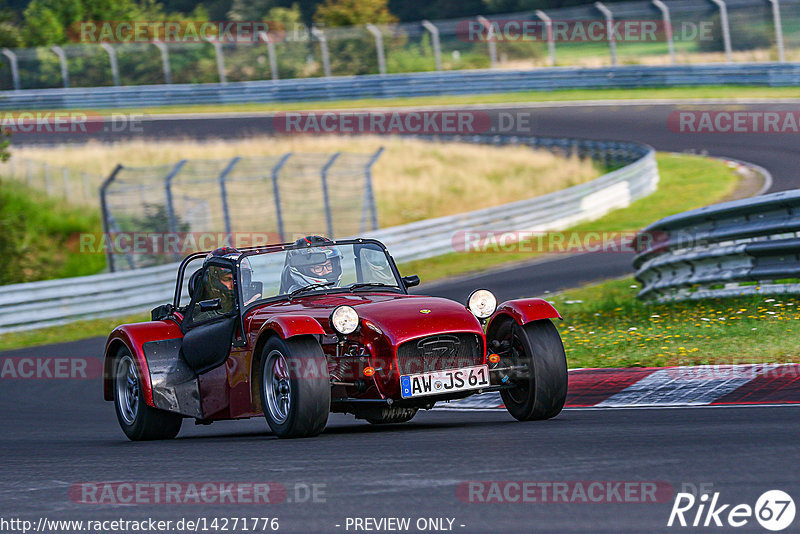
726,29
62,60
612,42
12,59
277,194
105,214
323,45
112,58
551,42
437,47
776,16
376,32
490,39
665,17
369,194
325,196
273,56
162,47
172,221
224,196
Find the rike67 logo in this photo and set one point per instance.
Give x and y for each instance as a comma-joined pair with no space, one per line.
774,510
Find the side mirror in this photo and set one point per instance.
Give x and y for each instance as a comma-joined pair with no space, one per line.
210,305
411,281
161,312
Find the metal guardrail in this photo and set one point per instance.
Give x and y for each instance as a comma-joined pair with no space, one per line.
741,247
405,85
53,302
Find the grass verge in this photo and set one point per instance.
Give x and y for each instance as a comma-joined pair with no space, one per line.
687,182
711,92
67,332
606,326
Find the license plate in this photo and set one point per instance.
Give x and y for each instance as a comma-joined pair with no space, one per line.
442,382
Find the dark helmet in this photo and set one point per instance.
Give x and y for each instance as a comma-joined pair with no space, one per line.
308,264
219,280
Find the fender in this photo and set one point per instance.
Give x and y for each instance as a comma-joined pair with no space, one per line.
287,326
524,311
134,336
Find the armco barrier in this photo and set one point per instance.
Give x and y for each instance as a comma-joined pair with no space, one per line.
39,304
404,85
739,247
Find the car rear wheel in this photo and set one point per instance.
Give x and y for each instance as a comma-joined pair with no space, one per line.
139,421
540,376
295,387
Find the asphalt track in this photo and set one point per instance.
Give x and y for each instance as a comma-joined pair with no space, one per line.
57,433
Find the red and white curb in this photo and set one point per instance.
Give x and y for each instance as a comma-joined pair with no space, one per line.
706,385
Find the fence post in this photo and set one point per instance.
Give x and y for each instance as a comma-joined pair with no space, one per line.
47,183
376,33
105,215
112,58
171,220
65,177
726,29
28,174
224,195
776,16
85,180
277,194
273,56
437,46
323,45
325,197
612,42
62,60
12,59
220,60
490,40
667,28
551,42
369,194
162,47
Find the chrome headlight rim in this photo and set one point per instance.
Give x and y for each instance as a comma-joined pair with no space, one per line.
344,320
482,303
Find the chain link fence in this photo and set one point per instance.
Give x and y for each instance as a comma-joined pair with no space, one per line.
241,201
73,186
688,31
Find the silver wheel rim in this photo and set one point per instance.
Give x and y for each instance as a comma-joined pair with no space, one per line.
277,387
127,389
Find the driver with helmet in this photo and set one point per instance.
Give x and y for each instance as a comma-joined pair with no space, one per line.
316,261
217,283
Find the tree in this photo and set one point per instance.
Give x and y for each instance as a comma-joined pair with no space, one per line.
352,12
48,22
5,155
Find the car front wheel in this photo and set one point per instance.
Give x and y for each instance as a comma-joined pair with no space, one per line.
539,375
139,421
295,387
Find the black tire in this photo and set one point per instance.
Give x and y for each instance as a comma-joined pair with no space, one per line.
295,395
540,390
139,421
389,415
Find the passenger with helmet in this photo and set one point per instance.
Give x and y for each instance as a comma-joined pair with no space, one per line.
375,267
315,261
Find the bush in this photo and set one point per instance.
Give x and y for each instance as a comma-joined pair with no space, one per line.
745,37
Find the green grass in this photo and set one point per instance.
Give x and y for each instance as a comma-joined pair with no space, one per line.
67,332
687,182
713,92
606,326
39,236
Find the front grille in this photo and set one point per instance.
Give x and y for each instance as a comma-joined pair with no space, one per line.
435,353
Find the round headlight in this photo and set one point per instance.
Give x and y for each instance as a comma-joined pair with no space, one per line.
482,303
344,319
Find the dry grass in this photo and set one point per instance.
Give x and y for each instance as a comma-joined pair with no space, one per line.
413,179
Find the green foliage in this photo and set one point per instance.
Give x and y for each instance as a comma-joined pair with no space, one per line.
334,13
5,155
747,36
39,239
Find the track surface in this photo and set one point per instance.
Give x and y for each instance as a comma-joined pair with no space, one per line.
58,433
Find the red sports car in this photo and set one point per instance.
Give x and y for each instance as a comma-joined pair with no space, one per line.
295,331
